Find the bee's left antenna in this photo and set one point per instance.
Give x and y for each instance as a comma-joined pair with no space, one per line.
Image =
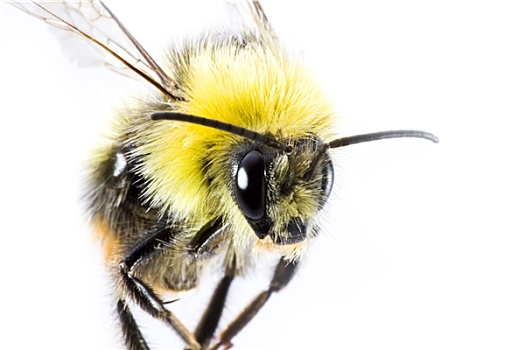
216,124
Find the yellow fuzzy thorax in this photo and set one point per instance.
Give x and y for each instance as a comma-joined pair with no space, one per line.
258,87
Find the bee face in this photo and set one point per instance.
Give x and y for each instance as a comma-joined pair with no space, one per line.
280,194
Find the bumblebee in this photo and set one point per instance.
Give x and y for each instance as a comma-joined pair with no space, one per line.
230,158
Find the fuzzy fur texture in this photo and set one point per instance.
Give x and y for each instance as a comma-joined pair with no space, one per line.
250,81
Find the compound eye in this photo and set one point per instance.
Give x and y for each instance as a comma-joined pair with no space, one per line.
328,179
250,186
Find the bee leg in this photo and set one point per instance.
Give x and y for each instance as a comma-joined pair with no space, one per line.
132,336
281,277
210,319
143,295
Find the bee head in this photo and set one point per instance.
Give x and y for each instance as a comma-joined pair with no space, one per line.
280,192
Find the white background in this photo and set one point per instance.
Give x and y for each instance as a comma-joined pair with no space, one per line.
424,244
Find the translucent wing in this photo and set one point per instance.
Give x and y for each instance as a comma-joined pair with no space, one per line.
94,22
259,17
250,13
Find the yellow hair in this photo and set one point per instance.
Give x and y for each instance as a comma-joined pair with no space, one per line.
258,86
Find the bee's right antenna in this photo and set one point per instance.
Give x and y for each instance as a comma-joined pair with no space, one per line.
375,136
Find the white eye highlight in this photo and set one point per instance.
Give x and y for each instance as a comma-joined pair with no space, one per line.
242,179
